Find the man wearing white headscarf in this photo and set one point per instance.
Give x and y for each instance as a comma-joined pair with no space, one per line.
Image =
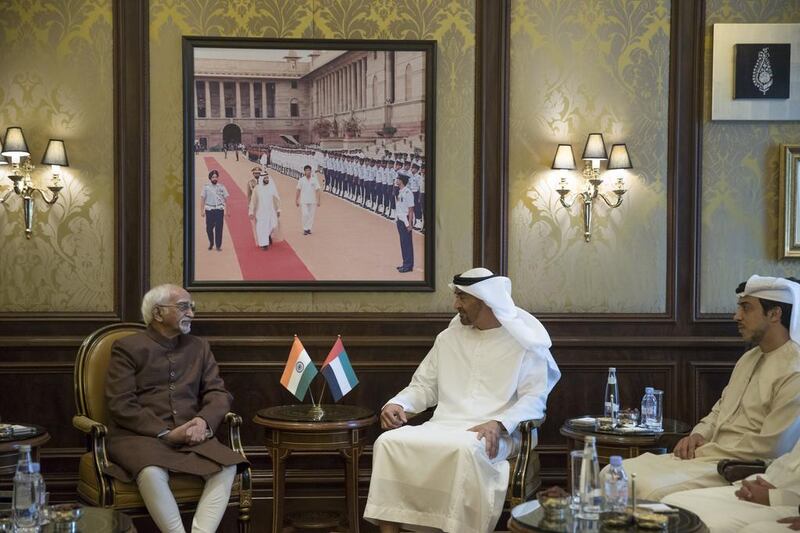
488,371
265,208
758,415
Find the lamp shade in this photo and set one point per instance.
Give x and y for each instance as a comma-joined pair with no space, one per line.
14,143
619,157
55,153
595,147
564,159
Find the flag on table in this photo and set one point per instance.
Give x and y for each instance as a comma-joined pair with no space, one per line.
299,371
338,372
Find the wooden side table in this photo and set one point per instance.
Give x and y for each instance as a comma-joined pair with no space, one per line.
627,446
292,428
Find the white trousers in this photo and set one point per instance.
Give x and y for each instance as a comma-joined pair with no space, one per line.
723,512
660,475
307,211
153,482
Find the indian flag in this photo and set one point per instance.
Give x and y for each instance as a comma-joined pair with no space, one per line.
299,371
338,372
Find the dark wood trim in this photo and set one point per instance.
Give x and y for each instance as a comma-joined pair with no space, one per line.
131,153
490,224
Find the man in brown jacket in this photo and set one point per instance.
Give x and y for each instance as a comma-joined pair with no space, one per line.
166,400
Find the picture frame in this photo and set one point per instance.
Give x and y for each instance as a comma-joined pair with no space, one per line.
789,231
359,113
724,104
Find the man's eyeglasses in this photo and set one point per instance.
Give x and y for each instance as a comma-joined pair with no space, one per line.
180,306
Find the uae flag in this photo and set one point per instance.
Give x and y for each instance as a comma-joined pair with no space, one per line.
338,372
299,371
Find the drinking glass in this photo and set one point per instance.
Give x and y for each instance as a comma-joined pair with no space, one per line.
659,418
575,462
629,418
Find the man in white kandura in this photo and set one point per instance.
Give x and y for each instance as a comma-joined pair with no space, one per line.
265,208
487,372
759,501
758,415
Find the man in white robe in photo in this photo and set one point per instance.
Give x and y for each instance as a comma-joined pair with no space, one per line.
488,371
758,415
265,208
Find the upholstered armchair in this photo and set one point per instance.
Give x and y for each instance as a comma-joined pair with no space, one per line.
101,490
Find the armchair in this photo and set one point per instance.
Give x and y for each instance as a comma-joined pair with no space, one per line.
98,488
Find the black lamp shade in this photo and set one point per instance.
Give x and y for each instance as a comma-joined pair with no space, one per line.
595,147
619,157
55,153
14,143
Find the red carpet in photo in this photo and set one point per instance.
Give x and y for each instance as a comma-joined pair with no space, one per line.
279,263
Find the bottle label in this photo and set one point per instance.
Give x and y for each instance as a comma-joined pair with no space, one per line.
612,380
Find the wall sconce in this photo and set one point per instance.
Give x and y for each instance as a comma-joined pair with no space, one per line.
593,153
55,155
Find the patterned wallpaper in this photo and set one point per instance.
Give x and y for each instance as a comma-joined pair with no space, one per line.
56,81
740,184
579,67
450,22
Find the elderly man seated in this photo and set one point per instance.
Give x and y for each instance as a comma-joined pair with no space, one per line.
758,415
487,372
166,400
760,501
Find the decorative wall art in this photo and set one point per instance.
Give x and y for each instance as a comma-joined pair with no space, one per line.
756,72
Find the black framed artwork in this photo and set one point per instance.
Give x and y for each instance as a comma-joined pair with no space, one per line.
309,164
762,71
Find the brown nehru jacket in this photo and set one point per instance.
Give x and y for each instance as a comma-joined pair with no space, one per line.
154,384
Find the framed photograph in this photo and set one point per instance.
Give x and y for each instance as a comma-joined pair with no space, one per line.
756,72
309,164
789,237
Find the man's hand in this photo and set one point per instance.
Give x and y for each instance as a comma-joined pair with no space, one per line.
196,432
793,521
177,436
393,416
686,446
202,213
227,213
253,217
755,491
491,431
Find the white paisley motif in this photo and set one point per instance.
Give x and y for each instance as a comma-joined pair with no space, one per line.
762,71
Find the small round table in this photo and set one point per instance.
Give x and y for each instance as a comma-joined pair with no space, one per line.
94,519
682,521
300,428
627,445
9,455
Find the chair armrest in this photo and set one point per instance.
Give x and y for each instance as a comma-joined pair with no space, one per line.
234,423
526,426
734,470
89,426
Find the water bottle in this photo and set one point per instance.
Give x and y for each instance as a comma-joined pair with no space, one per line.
25,497
615,486
649,408
612,395
591,492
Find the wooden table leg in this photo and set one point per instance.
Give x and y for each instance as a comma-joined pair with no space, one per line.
278,456
351,456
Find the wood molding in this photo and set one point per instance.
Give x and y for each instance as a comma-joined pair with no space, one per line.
490,225
131,153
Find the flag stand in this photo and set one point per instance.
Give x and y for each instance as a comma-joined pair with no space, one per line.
316,411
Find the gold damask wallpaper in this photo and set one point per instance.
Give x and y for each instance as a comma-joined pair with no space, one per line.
740,184
56,81
579,67
450,22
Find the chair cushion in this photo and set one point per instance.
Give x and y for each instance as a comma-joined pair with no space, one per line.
185,487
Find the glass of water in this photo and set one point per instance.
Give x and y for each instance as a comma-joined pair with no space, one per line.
575,464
